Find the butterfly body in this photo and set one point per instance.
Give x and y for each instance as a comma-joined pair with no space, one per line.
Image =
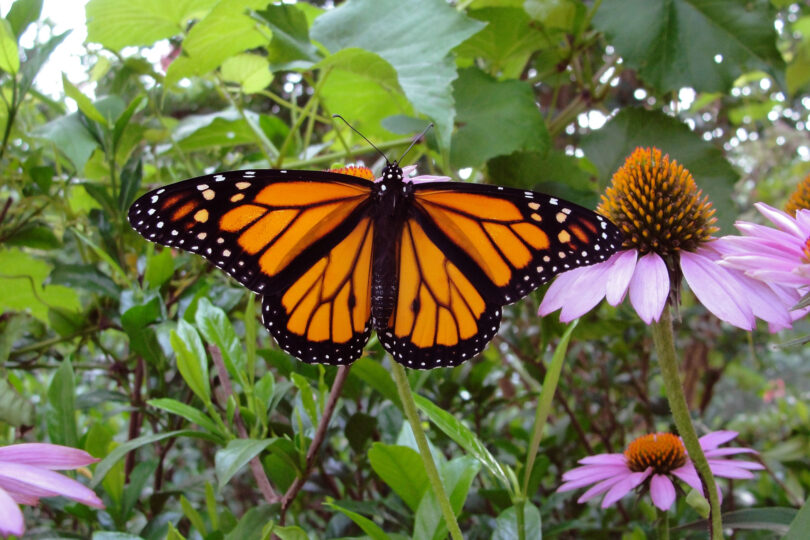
427,265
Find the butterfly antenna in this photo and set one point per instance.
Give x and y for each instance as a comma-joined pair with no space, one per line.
415,140
364,137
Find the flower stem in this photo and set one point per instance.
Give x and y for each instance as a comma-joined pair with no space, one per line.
408,405
663,525
668,363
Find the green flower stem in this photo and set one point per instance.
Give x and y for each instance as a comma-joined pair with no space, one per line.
408,405
668,363
663,525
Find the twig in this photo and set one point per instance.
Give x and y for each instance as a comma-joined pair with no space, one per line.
256,468
320,433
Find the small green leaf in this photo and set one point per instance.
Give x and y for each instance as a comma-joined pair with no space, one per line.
250,71
84,103
307,396
131,176
192,414
69,136
9,54
236,455
290,533
122,121
402,470
192,362
86,277
253,522
142,338
192,515
15,410
290,46
23,13
141,475
218,330
159,268
34,236
377,377
21,282
369,527
61,415
506,524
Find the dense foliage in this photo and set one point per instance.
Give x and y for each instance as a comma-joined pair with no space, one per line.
156,362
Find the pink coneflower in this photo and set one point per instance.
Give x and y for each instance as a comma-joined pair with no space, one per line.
27,473
653,462
777,256
668,226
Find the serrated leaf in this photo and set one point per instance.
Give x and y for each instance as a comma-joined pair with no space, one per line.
495,118
117,24
192,361
401,468
677,43
607,148
250,71
424,69
236,455
9,53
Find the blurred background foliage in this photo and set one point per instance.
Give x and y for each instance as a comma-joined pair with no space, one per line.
107,342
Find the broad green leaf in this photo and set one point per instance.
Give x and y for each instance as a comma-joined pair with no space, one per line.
506,43
250,71
402,470
84,103
457,477
23,13
86,277
465,438
15,410
34,236
703,44
290,532
225,31
236,455
9,54
506,524
21,278
800,524
373,530
610,146
61,415
192,414
106,464
797,74
224,128
192,362
117,24
377,377
69,136
159,268
218,330
424,69
142,338
253,522
496,118
290,47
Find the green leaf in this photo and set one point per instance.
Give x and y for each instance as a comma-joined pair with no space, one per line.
608,148
34,236
123,120
9,54
218,330
250,71
159,268
86,277
777,519
290,532
192,361
360,427
21,278
506,524
377,377
142,338
34,59
131,176
307,396
61,415
424,69
141,475
14,326
506,43
23,13
402,470
373,530
236,455
457,477
676,43
253,522
290,47
496,118
192,515
800,524
15,410
69,136
192,414
465,438
221,129
225,31
85,105
117,24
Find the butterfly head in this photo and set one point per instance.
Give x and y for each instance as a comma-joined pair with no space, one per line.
392,175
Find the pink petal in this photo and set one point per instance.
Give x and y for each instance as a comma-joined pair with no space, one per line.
600,488
50,456
576,292
689,475
765,303
649,287
23,498
604,459
727,470
34,480
620,489
590,470
716,289
623,264
575,482
662,491
716,438
779,218
11,517
728,452
559,291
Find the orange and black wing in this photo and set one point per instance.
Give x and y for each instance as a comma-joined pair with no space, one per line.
469,249
288,235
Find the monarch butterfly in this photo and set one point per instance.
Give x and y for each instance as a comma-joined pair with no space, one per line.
427,265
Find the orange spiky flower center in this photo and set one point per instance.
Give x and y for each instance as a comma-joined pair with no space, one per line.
799,199
354,170
657,205
661,451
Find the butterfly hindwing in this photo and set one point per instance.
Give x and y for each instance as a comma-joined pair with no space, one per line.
324,316
263,227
